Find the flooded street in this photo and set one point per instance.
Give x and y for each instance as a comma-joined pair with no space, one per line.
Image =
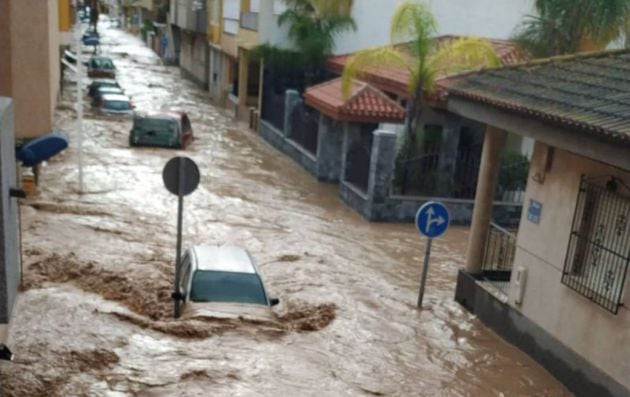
94,317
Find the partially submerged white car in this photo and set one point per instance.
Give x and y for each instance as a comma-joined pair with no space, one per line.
222,282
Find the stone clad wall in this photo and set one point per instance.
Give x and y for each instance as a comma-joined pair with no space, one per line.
377,203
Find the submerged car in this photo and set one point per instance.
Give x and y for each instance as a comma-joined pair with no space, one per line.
114,104
101,67
222,282
105,90
167,128
97,83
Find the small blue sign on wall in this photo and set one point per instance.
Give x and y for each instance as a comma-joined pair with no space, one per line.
534,212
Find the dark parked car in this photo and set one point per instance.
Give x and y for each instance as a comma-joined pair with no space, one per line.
164,128
102,91
114,104
97,83
101,67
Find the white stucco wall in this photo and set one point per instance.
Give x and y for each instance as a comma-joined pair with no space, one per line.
484,18
591,331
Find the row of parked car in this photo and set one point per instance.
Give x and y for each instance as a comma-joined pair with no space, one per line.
164,128
215,281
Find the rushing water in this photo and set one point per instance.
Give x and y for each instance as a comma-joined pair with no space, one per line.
93,318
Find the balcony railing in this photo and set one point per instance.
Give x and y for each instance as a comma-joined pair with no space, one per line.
498,258
249,21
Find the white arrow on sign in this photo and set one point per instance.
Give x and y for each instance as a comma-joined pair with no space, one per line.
431,221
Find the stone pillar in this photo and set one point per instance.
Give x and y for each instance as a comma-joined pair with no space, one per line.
243,82
291,100
329,149
382,165
493,143
448,152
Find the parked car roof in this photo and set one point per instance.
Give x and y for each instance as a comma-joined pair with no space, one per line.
224,259
161,114
104,81
104,89
115,97
102,62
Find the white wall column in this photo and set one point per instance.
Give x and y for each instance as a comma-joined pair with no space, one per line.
493,143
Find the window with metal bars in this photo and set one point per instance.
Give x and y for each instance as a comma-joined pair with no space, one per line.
598,255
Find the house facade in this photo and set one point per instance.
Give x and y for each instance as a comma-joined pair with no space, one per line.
558,287
30,63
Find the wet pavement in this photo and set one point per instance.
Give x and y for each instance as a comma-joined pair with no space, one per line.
94,316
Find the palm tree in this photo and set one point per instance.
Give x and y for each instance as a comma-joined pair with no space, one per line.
313,28
571,26
422,56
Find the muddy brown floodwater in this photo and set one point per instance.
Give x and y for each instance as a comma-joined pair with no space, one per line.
93,316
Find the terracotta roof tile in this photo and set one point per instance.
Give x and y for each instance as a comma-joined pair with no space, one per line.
396,80
365,103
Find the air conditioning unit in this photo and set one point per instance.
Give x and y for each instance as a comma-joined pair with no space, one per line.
518,287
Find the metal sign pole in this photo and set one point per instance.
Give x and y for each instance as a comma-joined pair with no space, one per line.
180,212
79,76
178,260
425,270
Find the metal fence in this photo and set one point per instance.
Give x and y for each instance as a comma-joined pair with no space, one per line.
423,175
305,127
498,258
358,162
598,255
427,175
273,108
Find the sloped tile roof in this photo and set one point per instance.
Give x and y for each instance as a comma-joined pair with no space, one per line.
396,80
590,92
365,104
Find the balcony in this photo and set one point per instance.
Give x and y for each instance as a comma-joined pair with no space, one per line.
249,21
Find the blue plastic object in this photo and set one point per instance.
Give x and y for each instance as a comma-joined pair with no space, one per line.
91,41
41,149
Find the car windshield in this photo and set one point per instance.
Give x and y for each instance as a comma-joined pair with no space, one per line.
212,286
157,125
117,105
102,63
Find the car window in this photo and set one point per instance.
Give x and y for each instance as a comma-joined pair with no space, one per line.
211,286
117,105
102,63
156,125
183,282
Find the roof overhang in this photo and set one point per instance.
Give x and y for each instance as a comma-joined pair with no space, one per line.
606,149
365,104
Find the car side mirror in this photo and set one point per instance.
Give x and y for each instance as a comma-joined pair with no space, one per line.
274,301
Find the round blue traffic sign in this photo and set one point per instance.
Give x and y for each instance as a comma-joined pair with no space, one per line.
432,219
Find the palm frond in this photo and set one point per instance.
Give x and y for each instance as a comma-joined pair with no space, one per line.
411,20
462,55
368,59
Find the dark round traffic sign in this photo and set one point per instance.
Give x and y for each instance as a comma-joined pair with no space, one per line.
181,176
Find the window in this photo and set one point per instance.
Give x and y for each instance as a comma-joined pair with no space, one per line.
215,286
598,256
